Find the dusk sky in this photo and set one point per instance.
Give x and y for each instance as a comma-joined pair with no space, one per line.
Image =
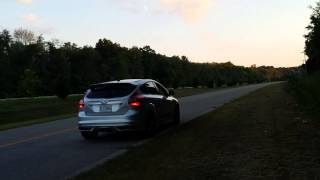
244,32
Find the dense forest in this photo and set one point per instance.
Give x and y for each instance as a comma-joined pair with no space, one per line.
31,66
312,48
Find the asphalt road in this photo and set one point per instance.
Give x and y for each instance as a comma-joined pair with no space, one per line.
56,150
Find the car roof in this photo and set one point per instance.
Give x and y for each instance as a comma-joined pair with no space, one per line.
130,81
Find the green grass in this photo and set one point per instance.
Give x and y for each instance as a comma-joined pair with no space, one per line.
22,112
264,135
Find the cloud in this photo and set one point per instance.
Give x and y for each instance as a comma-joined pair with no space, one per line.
132,6
31,18
25,1
190,10
37,24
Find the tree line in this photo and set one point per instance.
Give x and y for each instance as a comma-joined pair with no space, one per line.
312,43
32,66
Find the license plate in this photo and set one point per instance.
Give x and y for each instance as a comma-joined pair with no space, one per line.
105,108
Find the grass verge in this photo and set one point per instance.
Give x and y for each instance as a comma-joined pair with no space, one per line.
263,135
23,112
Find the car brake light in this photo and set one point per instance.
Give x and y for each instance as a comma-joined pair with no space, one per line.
135,104
135,101
81,105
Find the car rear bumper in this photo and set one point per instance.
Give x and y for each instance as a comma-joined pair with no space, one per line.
105,126
128,122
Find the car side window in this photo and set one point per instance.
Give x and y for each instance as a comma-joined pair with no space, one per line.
162,89
149,88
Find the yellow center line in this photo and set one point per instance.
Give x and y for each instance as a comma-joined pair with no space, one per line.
36,137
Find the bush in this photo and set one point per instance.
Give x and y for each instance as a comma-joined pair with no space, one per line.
306,88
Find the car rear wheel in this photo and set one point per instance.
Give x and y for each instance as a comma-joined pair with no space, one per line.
89,135
150,125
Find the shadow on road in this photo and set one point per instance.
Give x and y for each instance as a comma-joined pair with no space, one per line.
121,137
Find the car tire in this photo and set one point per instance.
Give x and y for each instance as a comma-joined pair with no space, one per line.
176,115
89,135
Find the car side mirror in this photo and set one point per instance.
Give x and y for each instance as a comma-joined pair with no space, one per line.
171,92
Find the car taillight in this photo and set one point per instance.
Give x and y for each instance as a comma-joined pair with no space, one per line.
81,105
135,104
135,101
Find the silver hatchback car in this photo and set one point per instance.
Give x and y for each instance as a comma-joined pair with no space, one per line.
126,105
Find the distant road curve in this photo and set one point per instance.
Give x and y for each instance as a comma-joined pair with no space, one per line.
55,150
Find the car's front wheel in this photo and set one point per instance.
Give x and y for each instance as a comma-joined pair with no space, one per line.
176,115
89,135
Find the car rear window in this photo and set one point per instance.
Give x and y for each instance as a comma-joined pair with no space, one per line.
110,90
